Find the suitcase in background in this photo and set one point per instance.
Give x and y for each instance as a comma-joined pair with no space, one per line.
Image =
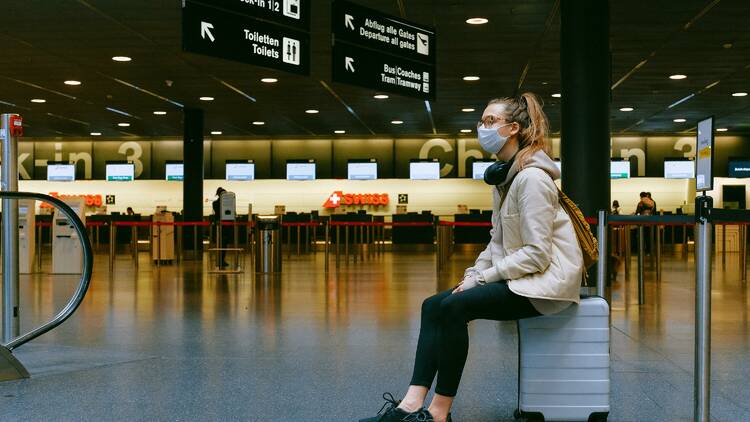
563,366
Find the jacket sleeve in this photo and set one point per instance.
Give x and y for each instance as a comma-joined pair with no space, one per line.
537,200
484,260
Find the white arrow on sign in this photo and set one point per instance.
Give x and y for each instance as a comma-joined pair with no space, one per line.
206,30
349,64
349,21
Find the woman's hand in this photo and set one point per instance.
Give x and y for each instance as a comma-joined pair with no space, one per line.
471,280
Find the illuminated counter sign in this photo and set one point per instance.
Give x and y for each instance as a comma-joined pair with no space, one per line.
339,198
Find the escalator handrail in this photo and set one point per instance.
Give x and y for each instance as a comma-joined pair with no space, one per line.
88,265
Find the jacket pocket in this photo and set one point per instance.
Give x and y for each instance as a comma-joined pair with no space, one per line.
511,225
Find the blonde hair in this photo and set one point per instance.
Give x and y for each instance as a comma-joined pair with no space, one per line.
526,110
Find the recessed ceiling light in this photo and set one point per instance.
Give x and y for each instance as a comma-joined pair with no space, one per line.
722,129
465,130
397,122
38,100
258,123
340,132
269,80
96,133
121,58
206,98
679,120
312,111
381,96
471,78
160,113
476,21
557,95
216,132
626,109
467,109
677,77
123,124
72,83
739,94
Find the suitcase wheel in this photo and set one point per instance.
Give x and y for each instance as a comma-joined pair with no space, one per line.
528,416
598,417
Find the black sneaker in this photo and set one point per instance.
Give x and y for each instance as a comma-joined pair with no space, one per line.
389,412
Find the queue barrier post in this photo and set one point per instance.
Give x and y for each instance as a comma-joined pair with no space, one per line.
641,252
702,374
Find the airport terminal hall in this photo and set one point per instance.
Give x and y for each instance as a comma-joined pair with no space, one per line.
375,211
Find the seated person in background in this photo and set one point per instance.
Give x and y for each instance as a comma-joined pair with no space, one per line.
646,206
130,211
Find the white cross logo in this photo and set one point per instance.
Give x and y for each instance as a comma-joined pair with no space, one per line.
334,199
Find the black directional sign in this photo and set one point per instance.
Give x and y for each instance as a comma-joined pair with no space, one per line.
228,35
383,72
294,13
382,52
369,28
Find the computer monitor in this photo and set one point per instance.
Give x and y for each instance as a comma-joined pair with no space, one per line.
478,168
424,170
120,171
300,170
61,171
365,169
739,167
679,168
240,170
175,171
619,169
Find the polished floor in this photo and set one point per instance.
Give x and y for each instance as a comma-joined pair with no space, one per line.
176,343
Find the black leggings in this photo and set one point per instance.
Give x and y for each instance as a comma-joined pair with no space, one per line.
444,334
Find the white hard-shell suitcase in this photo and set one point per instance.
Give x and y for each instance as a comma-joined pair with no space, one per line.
563,367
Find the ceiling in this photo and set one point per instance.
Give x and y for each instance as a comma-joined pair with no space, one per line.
46,42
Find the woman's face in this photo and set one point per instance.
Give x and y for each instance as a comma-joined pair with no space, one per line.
493,118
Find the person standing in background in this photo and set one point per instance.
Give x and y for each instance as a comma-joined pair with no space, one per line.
615,207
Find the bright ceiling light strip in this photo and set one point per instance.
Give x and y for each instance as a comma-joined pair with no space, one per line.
682,100
62,94
67,118
429,113
235,89
123,113
346,106
145,91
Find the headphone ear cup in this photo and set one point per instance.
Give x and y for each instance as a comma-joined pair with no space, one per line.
497,172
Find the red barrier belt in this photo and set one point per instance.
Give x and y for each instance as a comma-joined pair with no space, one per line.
301,224
466,223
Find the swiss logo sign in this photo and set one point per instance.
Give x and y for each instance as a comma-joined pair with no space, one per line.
338,198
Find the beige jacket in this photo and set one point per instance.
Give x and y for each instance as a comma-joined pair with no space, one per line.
533,243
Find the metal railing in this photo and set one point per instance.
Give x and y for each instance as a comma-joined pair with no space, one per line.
83,284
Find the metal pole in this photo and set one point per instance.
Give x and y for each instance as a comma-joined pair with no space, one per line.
628,251
702,387
743,251
641,247
601,265
658,252
327,240
10,324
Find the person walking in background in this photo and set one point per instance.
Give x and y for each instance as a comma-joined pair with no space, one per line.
225,232
615,207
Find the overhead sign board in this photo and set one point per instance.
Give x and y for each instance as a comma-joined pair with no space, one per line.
382,72
294,13
704,160
369,28
382,52
226,35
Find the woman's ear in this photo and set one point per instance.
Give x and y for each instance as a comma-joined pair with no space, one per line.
514,128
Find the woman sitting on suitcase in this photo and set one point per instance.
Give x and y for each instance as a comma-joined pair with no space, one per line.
532,265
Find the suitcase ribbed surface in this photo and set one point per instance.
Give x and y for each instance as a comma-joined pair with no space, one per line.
564,362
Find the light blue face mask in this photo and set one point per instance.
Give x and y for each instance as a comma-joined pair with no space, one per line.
490,139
